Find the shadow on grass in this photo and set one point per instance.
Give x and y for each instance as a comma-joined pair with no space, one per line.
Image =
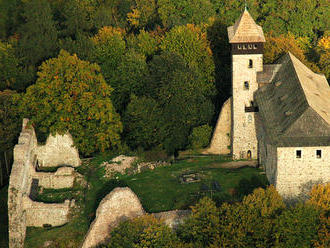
246,186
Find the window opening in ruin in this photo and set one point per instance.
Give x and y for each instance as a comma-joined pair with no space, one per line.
246,85
244,47
239,47
255,46
250,46
319,153
298,154
250,63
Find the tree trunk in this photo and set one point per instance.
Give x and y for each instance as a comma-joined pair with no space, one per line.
7,164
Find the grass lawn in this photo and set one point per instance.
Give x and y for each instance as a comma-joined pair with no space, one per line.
159,190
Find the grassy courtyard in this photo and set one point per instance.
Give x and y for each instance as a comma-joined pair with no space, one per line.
159,190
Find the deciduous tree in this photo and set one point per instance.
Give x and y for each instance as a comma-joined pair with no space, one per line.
71,95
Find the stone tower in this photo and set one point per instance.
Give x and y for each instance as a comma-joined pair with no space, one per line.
247,40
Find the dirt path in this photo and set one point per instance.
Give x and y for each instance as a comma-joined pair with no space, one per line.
235,164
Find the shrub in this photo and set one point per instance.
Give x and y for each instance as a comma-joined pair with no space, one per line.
143,232
297,227
200,136
202,227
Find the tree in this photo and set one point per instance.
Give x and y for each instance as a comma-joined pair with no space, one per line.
190,42
109,50
200,137
71,95
174,12
8,66
9,121
144,43
143,232
297,227
323,49
38,35
250,223
202,227
144,14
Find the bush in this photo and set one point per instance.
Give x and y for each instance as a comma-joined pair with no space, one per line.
200,137
297,227
143,232
202,227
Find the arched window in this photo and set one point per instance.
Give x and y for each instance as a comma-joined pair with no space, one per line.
255,46
250,63
239,47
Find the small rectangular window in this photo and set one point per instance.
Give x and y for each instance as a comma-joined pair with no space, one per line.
250,63
318,153
298,154
246,85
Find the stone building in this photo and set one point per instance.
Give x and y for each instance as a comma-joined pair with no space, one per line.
280,114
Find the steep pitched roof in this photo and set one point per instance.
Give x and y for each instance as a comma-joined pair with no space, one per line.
245,30
295,106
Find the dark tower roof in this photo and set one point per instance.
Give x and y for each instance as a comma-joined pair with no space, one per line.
245,30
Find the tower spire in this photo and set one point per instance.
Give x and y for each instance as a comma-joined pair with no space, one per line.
246,8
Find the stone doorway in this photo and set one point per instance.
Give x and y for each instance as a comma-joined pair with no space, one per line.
249,154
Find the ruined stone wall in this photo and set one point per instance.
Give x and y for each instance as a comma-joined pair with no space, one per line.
295,176
63,178
59,150
19,185
39,214
22,211
220,142
243,123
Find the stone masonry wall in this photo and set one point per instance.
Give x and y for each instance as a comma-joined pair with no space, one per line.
243,123
63,178
22,211
295,175
59,150
220,143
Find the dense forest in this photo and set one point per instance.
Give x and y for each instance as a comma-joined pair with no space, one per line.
136,74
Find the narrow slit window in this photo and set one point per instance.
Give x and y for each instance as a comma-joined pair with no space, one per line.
298,154
250,63
246,85
318,153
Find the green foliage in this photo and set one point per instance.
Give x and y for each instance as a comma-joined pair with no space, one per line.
38,35
142,232
145,43
9,121
109,50
200,136
297,227
71,95
8,66
144,14
141,125
190,42
174,12
202,227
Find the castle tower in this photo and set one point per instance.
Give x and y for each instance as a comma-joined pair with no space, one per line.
246,39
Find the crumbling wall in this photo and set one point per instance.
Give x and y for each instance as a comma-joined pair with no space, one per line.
63,178
58,150
119,205
22,211
220,142
40,214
